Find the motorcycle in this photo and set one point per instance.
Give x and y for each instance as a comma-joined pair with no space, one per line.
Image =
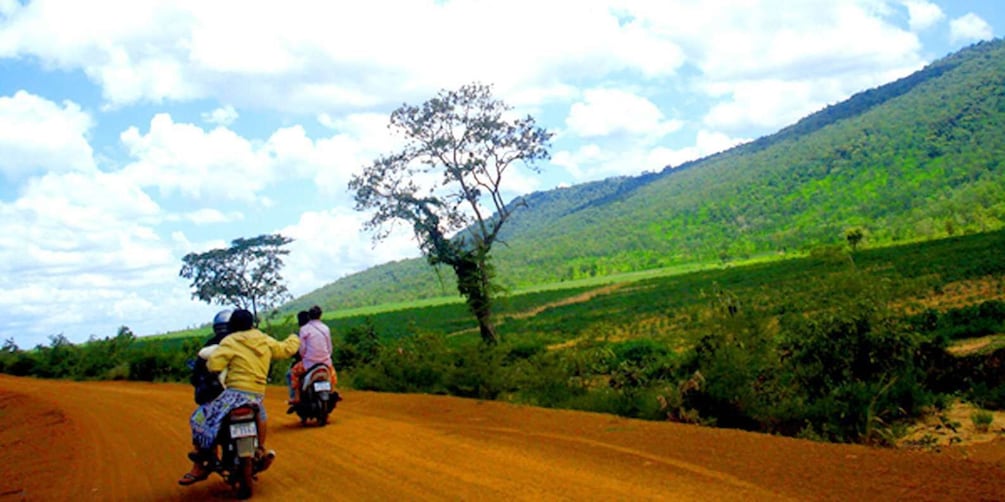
237,441
317,398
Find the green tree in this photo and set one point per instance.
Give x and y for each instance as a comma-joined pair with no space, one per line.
854,237
447,183
245,275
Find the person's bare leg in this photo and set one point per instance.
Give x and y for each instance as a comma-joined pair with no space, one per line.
264,457
262,430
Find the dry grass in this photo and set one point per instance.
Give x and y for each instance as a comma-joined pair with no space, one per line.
952,427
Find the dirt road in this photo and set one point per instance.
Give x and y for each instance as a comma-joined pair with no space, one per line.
127,441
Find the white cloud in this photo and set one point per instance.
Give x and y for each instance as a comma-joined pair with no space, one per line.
591,162
7,7
923,14
772,62
331,244
706,143
763,104
969,28
196,163
223,116
208,215
314,55
37,135
72,246
610,111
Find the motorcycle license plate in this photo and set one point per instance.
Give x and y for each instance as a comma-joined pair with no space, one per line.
320,386
243,430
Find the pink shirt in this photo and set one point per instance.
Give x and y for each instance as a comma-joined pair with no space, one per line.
315,343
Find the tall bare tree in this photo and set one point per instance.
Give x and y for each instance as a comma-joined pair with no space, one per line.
446,182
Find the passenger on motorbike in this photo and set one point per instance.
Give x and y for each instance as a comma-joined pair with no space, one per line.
246,354
315,348
302,319
206,383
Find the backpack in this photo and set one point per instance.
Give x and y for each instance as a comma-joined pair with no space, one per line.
207,384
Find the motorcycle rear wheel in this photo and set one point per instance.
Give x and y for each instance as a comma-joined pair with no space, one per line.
245,476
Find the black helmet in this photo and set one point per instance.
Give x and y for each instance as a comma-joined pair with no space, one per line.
220,321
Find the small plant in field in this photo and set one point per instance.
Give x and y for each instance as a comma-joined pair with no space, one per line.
982,420
946,422
926,442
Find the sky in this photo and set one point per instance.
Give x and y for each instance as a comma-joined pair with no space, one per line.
134,132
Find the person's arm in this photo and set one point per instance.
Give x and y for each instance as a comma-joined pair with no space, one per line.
285,348
207,350
220,358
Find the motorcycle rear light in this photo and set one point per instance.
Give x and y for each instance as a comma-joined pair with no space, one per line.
242,413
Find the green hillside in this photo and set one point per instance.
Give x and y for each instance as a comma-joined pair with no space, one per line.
916,159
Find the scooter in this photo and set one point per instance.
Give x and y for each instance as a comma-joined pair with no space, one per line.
317,398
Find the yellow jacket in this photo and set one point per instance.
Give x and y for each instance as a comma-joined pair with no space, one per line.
246,356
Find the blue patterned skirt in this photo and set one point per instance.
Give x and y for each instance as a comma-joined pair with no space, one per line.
207,418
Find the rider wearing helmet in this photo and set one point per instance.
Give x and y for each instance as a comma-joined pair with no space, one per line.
207,384
246,354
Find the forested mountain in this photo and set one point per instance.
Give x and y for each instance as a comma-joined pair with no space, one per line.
918,158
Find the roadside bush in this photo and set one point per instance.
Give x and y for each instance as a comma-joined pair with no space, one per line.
478,371
359,346
982,420
98,357
413,364
15,361
987,396
523,350
970,321
738,364
545,379
853,363
58,360
159,362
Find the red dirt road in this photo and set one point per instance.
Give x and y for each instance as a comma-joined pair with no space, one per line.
127,441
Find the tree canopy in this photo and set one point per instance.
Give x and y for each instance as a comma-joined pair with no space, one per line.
245,275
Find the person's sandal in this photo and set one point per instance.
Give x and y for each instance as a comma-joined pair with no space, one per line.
191,477
265,459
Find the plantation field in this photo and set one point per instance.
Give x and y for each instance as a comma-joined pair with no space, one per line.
666,304
669,306
127,441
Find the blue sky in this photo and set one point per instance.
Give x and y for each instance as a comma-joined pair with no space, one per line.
133,132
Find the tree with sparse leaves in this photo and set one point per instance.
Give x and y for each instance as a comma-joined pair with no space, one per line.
244,275
446,182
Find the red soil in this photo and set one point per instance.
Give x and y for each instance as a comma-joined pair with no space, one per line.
127,441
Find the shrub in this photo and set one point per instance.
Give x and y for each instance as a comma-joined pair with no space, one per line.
982,420
360,345
852,361
964,322
415,364
477,371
